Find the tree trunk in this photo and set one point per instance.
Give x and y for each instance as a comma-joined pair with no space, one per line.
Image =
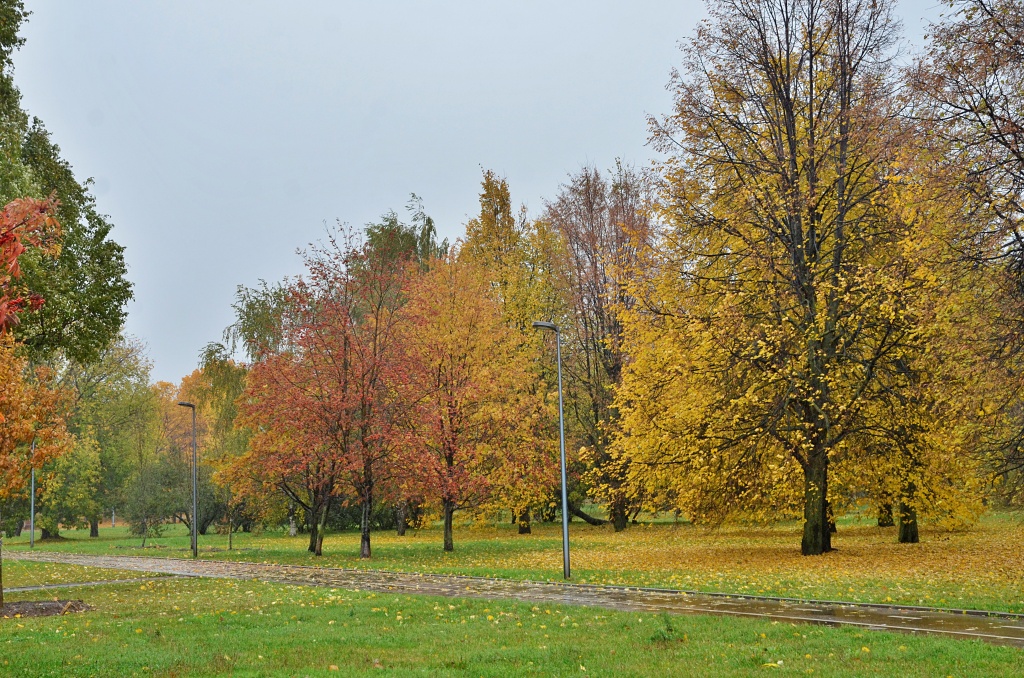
831,517
586,517
292,527
524,522
46,534
817,537
620,519
885,515
230,531
322,528
94,527
449,510
364,527
314,532
400,518
908,524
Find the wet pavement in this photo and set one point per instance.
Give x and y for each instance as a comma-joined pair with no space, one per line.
992,627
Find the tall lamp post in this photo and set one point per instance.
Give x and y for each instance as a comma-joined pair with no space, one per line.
540,324
32,504
195,494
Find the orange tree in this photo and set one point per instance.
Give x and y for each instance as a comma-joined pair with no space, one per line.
475,410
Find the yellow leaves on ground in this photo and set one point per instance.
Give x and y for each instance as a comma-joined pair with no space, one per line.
979,567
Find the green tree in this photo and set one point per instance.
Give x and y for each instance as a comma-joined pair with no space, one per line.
85,286
109,397
395,240
68,487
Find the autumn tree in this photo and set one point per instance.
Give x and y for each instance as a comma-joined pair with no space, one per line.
25,224
969,89
215,390
322,409
475,415
518,258
602,223
32,428
776,323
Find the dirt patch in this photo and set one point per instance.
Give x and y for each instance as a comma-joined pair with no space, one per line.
41,608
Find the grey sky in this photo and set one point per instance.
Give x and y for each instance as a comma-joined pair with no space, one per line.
223,135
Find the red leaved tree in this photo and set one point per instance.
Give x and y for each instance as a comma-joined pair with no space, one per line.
324,416
24,223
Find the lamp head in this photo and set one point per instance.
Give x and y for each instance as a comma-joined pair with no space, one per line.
184,404
544,325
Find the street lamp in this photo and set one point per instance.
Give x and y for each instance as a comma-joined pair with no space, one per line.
32,504
195,494
540,324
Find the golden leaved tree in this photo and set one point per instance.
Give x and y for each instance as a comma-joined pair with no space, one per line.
775,347
517,258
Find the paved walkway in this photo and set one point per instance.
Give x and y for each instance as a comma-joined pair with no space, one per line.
999,628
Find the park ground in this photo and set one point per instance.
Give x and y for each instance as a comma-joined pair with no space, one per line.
172,626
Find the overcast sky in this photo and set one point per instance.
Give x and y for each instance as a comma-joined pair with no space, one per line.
222,136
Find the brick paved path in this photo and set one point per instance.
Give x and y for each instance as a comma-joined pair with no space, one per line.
999,628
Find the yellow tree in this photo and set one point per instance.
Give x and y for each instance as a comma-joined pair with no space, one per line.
969,88
775,324
517,258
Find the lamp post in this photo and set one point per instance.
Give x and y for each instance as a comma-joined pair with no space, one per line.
195,494
32,504
540,324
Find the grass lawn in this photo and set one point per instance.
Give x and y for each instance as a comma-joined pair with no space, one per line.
24,573
978,568
179,627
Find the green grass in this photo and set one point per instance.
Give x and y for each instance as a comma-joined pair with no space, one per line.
976,568
26,573
190,627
